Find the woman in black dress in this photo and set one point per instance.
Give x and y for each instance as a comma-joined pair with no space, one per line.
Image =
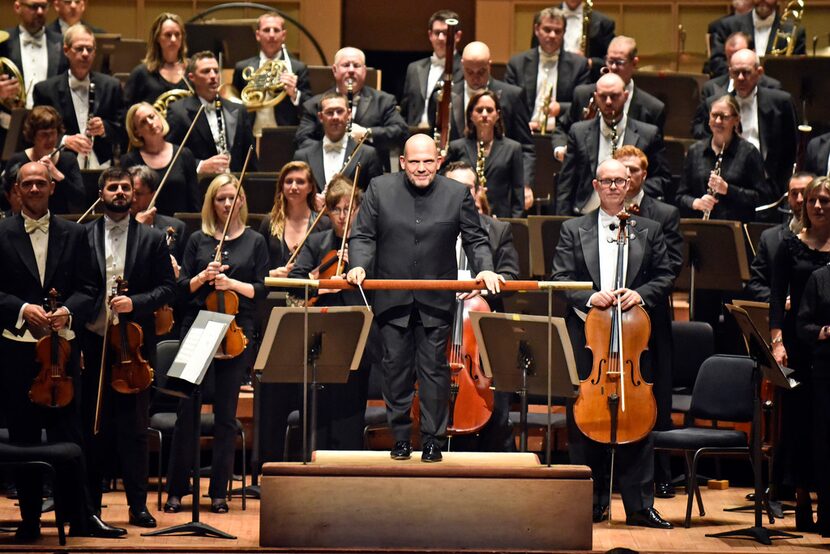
503,167
242,271
733,191
146,129
42,128
163,67
797,258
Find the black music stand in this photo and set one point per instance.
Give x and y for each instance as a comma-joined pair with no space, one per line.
14,135
807,78
527,354
714,257
184,379
766,366
312,346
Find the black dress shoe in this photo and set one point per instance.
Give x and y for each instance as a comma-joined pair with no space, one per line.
96,527
648,518
219,506
173,505
142,518
401,451
27,532
664,490
600,513
431,453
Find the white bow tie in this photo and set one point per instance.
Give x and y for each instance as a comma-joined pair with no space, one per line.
34,40
435,61
32,225
333,146
116,227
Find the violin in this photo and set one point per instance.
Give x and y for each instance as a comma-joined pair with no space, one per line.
227,302
615,405
164,315
131,373
52,388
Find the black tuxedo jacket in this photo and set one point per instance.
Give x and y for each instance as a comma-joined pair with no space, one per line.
503,169
109,106
403,232
718,64
718,85
644,107
376,110
580,165
415,88
760,271
238,129
69,270
368,158
505,257
577,259
285,112
57,63
778,132
571,70
515,116
668,217
815,158
147,270
162,222
55,27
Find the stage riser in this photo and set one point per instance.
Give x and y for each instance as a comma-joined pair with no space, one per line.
425,512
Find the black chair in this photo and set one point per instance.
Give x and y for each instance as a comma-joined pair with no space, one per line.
723,391
163,415
693,343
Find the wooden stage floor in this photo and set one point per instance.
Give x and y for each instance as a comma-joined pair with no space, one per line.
245,525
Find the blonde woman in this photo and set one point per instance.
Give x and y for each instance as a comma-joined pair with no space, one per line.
163,67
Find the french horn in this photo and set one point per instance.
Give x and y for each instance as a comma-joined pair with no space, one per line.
168,97
8,67
264,88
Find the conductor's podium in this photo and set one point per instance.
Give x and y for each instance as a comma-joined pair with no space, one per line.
483,501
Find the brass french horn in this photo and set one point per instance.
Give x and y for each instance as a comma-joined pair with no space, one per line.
168,97
8,67
264,88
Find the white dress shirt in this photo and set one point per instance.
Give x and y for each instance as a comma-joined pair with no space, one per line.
608,250
750,130
334,154
115,258
79,91
436,70
605,152
34,56
763,28
573,28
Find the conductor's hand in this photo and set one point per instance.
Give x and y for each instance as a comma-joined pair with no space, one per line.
491,280
356,275
628,298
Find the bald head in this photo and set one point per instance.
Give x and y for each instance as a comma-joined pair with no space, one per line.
745,70
475,60
349,67
35,186
611,185
420,160
610,97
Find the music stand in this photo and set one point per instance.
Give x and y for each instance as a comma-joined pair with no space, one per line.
527,354
184,379
330,340
807,78
105,45
14,134
714,257
766,366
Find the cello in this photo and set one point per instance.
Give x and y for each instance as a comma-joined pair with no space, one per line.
52,387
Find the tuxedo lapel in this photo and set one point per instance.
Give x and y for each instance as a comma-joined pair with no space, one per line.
423,78
317,165
458,111
531,68
363,104
14,48
65,98
632,137
100,248
132,247
589,240
54,52
765,110
202,127
592,144
23,246
824,154
636,252
231,114
57,244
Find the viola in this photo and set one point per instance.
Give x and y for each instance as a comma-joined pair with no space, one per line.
164,315
615,405
227,302
131,373
52,388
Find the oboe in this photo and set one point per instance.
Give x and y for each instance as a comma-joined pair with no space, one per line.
89,115
350,100
709,190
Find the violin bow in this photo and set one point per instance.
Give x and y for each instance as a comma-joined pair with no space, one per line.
307,234
89,210
348,220
218,256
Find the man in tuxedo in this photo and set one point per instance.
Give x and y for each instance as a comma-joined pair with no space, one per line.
591,142
422,76
761,25
817,156
584,253
229,126
768,118
407,228
69,13
372,110
736,41
600,34
549,70
145,183
326,157
515,114
621,60
760,271
43,253
668,217
270,35
138,254
90,103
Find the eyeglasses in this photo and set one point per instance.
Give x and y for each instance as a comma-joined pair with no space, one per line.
339,211
745,73
82,49
617,181
616,62
35,7
722,116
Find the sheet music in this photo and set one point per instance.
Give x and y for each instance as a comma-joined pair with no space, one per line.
197,349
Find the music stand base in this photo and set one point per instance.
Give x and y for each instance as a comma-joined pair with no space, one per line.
194,528
764,535
250,492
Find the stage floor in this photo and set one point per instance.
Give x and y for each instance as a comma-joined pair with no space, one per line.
245,525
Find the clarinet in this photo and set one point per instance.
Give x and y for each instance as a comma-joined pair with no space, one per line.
89,115
350,100
222,141
715,171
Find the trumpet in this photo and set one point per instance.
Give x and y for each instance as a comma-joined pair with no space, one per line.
794,12
709,190
543,110
8,67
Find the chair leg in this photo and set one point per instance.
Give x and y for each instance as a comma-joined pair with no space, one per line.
691,487
697,485
58,509
244,471
161,460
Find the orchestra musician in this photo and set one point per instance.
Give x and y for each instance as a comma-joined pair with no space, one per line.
372,109
145,182
147,130
327,156
584,254
43,128
407,228
502,157
549,67
714,86
591,142
422,76
797,257
122,248
715,28
270,35
164,65
600,34
93,120
69,13
229,127
244,266
43,252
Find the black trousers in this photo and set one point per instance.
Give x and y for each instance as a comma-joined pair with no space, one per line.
821,448
26,421
123,433
416,352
